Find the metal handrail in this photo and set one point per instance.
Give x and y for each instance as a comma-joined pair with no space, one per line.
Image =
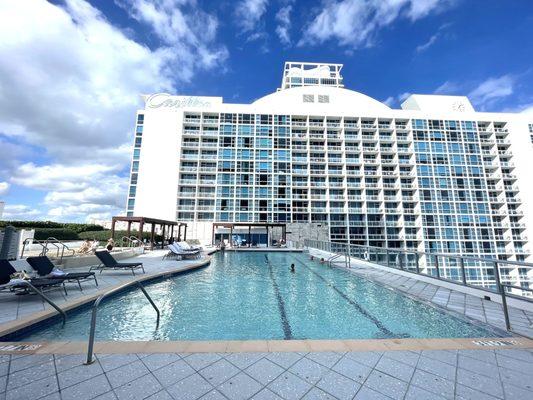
504,302
25,242
56,242
92,333
347,249
47,299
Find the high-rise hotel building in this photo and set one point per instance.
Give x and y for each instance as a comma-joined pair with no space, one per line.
434,175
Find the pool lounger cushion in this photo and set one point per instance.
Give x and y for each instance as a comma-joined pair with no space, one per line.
46,269
20,286
177,251
109,262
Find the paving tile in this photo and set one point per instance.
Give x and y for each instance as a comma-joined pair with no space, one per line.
515,392
18,364
433,383
218,372
352,369
106,396
523,355
338,385
156,361
436,367
264,371
516,378
139,388
386,385
308,370
478,366
4,368
127,373
240,387
86,390
396,369
162,395
190,388
244,360
78,374
465,393
406,357
368,358
284,360
111,361
289,386
511,363
173,373
201,360
69,361
416,393
317,394
34,390
326,358
447,356
487,356
212,395
479,382
365,393
266,394
27,375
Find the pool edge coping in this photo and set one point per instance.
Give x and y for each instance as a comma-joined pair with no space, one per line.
40,316
266,346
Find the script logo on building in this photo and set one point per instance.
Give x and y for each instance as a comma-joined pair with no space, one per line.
165,100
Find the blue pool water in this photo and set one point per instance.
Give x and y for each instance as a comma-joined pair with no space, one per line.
253,295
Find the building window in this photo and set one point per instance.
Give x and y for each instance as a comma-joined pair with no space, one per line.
309,98
323,98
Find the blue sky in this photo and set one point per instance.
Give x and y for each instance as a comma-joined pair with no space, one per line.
71,72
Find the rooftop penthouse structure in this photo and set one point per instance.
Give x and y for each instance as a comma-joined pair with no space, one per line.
435,175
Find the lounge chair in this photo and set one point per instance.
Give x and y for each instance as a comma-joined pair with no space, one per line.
46,269
109,262
175,250
187,247
22,286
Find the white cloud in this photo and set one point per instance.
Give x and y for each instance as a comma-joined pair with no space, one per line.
249,13
4,187
528,110
20,212
390,101
492,90
448,87
191,34
283,18
70,84
433,39
423,47
355,23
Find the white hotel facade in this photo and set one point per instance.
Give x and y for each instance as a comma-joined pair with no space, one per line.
434,175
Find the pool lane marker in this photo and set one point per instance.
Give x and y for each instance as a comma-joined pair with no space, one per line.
287,331
376,321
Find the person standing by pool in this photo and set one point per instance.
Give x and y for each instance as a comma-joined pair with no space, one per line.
293,270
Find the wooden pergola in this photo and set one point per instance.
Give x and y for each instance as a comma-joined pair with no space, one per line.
232,225
167,226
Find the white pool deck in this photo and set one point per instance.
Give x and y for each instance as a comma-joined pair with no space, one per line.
358,369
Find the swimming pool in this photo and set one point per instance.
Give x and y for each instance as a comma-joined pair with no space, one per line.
254,295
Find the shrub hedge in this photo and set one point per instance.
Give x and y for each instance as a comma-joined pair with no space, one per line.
58,233
77,228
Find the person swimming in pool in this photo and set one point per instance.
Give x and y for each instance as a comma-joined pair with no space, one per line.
293,270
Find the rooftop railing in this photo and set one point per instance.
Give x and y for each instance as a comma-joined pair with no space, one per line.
451,268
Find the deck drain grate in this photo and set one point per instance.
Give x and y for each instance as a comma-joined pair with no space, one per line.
495,343
20,347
